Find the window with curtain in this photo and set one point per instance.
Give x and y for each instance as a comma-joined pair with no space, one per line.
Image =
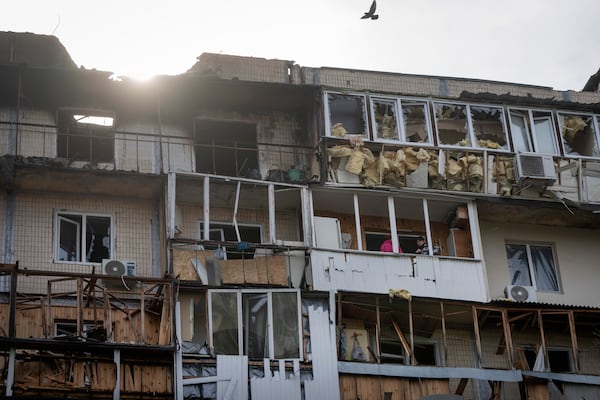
532,265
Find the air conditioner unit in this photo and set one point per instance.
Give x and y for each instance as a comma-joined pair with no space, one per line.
520,293
118,268
535,168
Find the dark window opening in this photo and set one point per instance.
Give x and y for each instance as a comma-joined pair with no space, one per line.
407,242
347,115
226,148
221,232
85,136
425,353
559,360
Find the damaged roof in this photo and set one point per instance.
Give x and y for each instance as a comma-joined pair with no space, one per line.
34,50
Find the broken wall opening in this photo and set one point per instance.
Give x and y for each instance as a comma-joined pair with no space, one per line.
226,148
86,135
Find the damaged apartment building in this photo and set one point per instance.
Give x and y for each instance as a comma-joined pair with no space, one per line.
219,234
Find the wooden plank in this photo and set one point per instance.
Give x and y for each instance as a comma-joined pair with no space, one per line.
403,340
164,335
537,391
477,335
460,389
574,347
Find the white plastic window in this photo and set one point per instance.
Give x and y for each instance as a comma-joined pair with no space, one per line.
579,135
259,324
83,238
532,265
346,114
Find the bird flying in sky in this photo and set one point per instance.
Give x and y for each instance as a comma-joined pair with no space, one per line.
371,13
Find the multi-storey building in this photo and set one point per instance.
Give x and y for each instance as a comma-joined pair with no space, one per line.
218,234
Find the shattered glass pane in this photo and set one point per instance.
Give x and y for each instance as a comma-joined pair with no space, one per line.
452,126
415,122
97,238
578,135
347,115
385,120
518,264
488,125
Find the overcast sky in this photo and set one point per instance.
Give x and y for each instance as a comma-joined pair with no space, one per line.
552,43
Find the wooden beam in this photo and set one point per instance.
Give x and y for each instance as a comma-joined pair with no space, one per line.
461,386
477,335
403,340
12,329
574,346
543,339
508,337
444,336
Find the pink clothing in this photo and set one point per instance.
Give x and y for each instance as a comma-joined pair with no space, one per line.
387,247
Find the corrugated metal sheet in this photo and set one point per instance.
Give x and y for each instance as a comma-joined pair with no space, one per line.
235,370
325,383
275,385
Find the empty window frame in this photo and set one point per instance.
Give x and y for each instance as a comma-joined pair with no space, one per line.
476,126
409,125
559,359
533,265
226,148
533,131
579,134
86,135
226,232
83,238
259,324
346,114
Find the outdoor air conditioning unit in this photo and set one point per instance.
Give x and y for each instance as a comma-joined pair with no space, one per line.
118,268
534,168
520,293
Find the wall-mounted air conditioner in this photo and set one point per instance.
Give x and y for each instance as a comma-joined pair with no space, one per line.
520,293
118,268
534,168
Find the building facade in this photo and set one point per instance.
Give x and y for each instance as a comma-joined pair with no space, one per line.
218,234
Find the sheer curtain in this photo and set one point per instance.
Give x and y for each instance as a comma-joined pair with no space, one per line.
543,268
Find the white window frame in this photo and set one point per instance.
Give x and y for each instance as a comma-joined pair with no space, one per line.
530,264
81,233
470,129
328,123
401,126
200,222
240,316
532,136
595,126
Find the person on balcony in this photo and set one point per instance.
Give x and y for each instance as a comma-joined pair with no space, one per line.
388,247
422,247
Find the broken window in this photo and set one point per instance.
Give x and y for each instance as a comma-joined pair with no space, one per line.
83,237
226,232
415,121
256,323
532,265
489,127
452,125
471,126
346,114
559,360
385,121
579,135
533,131
86,136
226,148
410,125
